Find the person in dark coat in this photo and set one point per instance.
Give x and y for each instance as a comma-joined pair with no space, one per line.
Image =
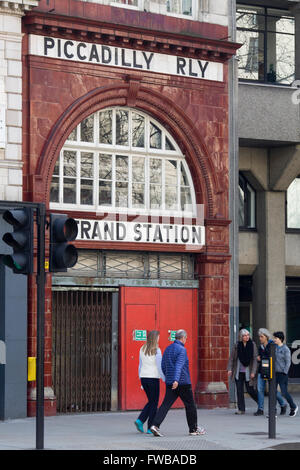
242,368
175,366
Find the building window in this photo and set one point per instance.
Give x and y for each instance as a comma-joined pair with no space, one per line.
185,8
121,160
247,204
135,4
173,7
268,38
133,265
180,7
293,208
245,303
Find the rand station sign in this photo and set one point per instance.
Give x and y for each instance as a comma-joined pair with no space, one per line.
192,236
112,56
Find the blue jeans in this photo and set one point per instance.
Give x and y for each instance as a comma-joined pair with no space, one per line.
261,385
282,381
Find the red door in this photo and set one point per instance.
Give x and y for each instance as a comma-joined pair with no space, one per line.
178,310
138,317
147,309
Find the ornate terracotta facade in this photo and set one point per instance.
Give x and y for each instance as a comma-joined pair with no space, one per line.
59,94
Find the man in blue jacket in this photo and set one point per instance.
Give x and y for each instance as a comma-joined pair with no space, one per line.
175,366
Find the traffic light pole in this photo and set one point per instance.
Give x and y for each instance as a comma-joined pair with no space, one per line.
272,394
62,256
40,280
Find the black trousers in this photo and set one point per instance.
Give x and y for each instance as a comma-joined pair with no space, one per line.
151,388
186,394
240,391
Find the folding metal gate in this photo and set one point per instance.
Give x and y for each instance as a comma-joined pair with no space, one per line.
81,356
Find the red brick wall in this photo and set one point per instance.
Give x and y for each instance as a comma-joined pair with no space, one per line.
58,94
122,16
200,106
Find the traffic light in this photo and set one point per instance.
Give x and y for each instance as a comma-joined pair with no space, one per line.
62,254
21,240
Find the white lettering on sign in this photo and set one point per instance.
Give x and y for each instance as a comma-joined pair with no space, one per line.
92,53
113,231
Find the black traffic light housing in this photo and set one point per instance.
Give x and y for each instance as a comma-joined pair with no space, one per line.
266,368
62,254
21,240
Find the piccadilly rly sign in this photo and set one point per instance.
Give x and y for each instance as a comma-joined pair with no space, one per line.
94,53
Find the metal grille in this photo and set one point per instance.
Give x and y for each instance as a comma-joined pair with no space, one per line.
81,366
133,265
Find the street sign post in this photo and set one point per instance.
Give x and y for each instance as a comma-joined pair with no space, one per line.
40,280
272,394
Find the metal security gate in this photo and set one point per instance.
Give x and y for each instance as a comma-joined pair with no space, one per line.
82,349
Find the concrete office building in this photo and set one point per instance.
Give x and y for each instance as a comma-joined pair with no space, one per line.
269,167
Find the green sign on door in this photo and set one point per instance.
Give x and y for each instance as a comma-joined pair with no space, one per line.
172,335
140,335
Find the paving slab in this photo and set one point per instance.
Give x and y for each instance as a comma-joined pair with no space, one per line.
115,431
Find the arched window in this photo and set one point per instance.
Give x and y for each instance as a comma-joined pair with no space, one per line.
121,160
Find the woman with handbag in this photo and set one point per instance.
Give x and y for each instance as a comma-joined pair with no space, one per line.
150,373
242,367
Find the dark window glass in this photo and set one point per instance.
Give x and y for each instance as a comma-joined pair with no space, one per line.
247,203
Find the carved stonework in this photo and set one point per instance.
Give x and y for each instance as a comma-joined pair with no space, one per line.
17,7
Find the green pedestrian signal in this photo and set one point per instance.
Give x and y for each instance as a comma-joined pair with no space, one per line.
62,255
20,239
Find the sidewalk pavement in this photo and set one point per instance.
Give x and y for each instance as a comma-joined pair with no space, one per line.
116,431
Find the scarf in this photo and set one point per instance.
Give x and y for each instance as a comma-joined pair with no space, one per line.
245,353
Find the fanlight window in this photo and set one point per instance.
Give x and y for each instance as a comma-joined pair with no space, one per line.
120,159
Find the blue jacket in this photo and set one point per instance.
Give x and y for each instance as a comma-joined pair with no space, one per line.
175,364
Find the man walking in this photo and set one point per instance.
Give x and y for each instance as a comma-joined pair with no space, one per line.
282,365
175,366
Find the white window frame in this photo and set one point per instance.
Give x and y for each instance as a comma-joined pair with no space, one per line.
141,7
193,16
97,148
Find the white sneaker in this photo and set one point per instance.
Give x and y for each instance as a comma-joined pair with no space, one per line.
156,432
199,432
294,412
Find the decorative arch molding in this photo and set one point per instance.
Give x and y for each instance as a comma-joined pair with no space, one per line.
149,101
